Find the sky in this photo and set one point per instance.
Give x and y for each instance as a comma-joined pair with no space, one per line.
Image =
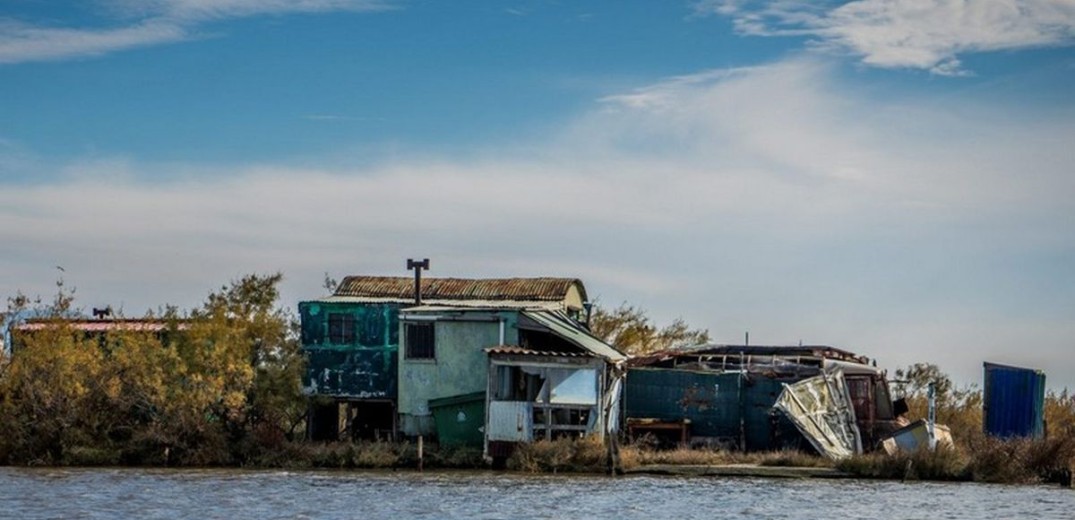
892,177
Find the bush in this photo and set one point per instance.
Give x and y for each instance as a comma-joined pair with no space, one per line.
585,455
943,464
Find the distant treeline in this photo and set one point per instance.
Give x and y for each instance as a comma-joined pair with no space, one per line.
220,385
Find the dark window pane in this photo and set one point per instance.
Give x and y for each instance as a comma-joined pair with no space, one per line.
420,343
341,328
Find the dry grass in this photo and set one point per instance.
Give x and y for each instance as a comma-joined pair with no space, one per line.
636,455
375,455
943,464
585,455
1013,461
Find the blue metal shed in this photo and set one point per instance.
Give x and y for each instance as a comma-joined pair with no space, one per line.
1014,401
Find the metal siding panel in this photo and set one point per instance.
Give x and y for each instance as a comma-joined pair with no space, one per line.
364,369
510,421
1014,401
710,401
760,394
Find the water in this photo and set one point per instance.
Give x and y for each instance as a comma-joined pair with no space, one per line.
234,494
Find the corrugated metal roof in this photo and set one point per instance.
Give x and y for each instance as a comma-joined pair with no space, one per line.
805,354
817,351
132,325
489,289
510,349
477,305
563,326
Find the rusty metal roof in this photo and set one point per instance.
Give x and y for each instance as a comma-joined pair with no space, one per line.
814,352
98,325
511,349
491,289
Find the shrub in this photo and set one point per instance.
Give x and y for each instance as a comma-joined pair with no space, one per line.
585,455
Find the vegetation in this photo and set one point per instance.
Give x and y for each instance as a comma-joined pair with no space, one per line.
631,331
220,385
975,456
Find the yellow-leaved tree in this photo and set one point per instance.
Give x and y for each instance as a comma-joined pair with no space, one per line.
631,331
220,384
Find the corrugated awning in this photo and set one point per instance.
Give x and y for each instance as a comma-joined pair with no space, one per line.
558,323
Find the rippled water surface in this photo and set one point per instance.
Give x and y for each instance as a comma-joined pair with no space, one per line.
197,494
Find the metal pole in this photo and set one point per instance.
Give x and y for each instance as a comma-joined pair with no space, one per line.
931,419
417,267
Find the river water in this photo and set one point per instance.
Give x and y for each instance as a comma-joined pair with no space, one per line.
236,494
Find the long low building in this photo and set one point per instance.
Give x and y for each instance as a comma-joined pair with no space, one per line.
723,395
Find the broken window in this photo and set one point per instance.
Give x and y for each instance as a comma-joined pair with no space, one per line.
420,342
341,328
565,386
561,402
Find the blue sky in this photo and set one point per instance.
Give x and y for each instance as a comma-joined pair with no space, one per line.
891,177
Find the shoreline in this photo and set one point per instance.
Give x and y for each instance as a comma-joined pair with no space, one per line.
739,470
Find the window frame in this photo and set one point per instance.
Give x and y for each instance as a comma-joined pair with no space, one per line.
344,331
420,352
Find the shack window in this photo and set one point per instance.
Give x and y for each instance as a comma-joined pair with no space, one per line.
572,386
341,328
420,341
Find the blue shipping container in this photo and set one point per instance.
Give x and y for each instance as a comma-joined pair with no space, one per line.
1014,401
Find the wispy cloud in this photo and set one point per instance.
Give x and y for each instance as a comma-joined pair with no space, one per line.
922,34
142,24
215,9
774,199
339,117
20,42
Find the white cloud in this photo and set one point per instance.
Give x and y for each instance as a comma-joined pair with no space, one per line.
922,34
773,199
210,9
154,23
21,42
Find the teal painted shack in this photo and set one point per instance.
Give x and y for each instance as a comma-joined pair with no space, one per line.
537,360
352,342
350,347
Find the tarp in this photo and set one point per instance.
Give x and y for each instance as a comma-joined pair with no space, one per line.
820,407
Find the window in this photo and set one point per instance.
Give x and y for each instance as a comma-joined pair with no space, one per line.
420,344
341,328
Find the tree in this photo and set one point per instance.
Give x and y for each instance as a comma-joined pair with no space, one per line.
631,331
917,378
220,384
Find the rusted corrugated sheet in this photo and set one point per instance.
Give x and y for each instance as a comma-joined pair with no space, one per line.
806,353
520,289
131,325
508,349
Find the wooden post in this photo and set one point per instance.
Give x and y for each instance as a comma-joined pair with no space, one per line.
420,446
